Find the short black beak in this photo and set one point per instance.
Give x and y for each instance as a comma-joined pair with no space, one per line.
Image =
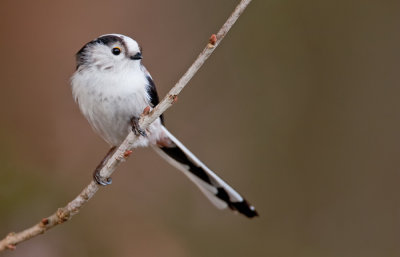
137,56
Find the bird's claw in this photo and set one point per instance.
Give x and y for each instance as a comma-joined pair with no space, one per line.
139,131
136,127
100,180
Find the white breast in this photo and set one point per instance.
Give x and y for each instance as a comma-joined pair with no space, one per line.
109,99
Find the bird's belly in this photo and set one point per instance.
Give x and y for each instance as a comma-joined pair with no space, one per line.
111,116
109,102
111,120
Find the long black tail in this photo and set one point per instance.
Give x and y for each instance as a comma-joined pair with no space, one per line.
219,192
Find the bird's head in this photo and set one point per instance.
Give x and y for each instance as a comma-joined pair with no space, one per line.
109,52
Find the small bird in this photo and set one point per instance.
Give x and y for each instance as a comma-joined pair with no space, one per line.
112,89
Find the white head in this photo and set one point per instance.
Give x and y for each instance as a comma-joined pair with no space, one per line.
109,52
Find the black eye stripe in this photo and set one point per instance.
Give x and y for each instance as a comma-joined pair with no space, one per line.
116,51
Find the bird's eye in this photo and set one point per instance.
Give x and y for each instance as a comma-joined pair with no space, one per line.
116,51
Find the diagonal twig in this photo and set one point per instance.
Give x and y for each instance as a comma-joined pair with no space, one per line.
65,213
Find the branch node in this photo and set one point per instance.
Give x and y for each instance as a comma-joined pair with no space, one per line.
212,41
146,110
11,234
44,222
85,196
11,247
120,157
173,98
62,216
127,153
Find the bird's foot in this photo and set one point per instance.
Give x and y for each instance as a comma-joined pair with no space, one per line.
100,180
96,174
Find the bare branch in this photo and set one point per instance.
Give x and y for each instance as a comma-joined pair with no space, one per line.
65,213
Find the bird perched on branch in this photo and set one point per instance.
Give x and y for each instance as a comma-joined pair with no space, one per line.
112,89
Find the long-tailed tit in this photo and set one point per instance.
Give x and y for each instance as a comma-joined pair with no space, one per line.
112,89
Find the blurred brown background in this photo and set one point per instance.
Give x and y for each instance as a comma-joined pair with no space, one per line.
297,109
